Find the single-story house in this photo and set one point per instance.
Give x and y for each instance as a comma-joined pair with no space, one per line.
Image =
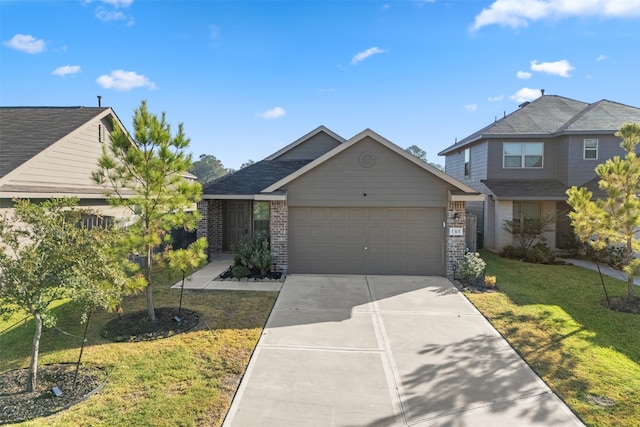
336,206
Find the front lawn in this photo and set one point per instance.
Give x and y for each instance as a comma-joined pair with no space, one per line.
185,380
554,316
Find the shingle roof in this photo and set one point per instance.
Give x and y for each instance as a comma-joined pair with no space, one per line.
540,189
254,178
551,115
26,131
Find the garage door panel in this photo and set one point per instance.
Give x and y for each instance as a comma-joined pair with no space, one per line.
398,240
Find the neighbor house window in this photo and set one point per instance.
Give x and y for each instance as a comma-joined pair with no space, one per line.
522,154
467,169
527,213
261,218
590,149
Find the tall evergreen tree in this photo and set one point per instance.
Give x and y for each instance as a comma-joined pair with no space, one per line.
614,220
145,175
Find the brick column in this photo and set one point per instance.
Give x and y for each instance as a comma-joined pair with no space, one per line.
279,234
214,230
455,244
203,222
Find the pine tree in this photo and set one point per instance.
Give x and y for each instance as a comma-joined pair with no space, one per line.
146,175
614,220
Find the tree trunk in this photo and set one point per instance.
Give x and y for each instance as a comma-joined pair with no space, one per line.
149,290
35,350
630,284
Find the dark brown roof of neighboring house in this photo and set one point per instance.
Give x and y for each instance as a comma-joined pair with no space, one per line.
26,131
254,178
539,189
552,115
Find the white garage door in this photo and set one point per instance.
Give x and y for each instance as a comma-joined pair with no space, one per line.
406,241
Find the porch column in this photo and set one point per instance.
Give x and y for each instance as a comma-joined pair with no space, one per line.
279,233
455,244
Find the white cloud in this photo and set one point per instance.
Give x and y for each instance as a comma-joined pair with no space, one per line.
121,80
214,31
523,75
496,98
558,68
518,13
26,43
525,94
602,57
114,3
66,69
273,113
365,54
471,107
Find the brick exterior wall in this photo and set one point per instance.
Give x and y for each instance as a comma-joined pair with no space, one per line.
455,244
214,229
203,210
279,230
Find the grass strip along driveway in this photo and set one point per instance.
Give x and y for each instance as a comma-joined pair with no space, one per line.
185,380
553,315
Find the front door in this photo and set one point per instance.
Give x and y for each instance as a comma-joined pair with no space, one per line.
237,222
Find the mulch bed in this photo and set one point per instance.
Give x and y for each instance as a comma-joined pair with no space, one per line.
624,305
253,276
17,405
135,327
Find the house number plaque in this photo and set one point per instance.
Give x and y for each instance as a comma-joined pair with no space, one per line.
455,231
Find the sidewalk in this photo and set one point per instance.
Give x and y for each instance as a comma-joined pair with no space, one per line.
605,269
208,277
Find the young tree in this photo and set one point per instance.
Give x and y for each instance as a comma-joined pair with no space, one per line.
145,174
614,220
187,260
45,255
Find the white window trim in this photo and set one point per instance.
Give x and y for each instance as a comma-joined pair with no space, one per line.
522,155
584,148
467,163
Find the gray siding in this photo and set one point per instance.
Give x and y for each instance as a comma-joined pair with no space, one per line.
391,181
454,165
495,170
579,170
312,148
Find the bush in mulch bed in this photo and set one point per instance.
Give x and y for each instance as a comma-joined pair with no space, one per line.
17,405
135,327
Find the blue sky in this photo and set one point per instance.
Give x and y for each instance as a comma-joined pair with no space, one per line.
248,77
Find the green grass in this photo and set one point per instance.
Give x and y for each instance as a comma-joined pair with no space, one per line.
186,380
554,316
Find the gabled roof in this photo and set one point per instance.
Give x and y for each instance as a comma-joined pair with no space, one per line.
552,115
385,142
26,131
304,138
527,189
252,179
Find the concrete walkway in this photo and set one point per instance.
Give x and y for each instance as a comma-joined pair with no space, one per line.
208,277
387,351
605,269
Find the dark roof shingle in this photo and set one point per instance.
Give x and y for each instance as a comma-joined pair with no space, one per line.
26,131
541,189
254,178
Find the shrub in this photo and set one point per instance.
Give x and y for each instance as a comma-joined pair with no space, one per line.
239,271
254,255
540,253
490,282
471,267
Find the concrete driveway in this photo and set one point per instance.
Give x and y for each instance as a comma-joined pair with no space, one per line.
387,351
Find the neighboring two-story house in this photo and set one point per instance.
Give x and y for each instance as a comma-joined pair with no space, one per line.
525,162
